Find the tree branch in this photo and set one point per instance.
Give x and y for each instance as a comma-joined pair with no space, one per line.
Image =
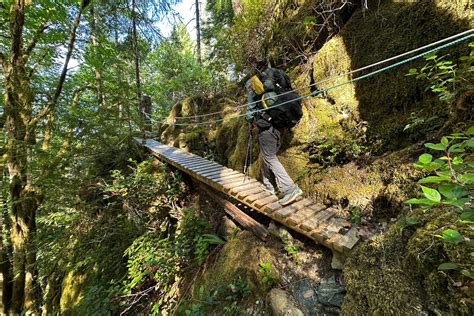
70,47
2,59
35,40
59,86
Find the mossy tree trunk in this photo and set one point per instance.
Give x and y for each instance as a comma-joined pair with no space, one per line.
20,137
20,124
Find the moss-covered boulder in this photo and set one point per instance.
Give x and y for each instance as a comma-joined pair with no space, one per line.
396,273
237,263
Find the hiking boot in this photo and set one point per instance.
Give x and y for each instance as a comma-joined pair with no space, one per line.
291,196
268,190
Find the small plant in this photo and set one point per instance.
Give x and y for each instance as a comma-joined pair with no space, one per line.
355,214
229,296
266,274
445,76
293,250
202,246
288,245
450,184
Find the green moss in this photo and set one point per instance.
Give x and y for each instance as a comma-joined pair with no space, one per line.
71,295
395,273
239,257
387,100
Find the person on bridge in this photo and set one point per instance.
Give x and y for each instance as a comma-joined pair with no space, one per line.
274,175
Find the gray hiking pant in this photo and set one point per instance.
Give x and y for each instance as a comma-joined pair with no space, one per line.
273,173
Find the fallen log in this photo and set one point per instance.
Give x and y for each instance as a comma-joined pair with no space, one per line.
237,215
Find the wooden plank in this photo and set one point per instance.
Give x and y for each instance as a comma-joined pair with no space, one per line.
195,164
244,194
334,225
272,207
253,197
205,166
206,169
246,221
221,173
226,176
302,215
247,185
230,185
346,242
315,221
266,200
281,214
302,203
236,179
216,172
187,162
316,233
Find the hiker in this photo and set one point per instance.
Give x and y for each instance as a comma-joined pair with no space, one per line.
260,96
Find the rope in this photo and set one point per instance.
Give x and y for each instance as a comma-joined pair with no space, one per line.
339,76
334,86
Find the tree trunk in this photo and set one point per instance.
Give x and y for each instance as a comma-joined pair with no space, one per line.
20,129
146,108
5,282
17,105
62,78
198,33
137,62
98,71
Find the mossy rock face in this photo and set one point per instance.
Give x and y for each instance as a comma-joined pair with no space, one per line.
395,273
387,100
239,257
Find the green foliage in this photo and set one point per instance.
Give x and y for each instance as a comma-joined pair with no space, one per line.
157,259
266,274
154,260
355,214
335,151
450,183
145,191
174,73
445,76
202,245
291,248
228,297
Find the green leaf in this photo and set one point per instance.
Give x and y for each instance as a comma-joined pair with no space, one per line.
467,273
456,148
448,266
459,203
411,221
469,143
433,179
431,56
467,178
457,161
445,141
452,191
420,202
310,20
470,131
467,216
435,146
431,194
452,236
425,158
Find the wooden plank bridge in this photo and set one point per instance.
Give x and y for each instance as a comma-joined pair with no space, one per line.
305,216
